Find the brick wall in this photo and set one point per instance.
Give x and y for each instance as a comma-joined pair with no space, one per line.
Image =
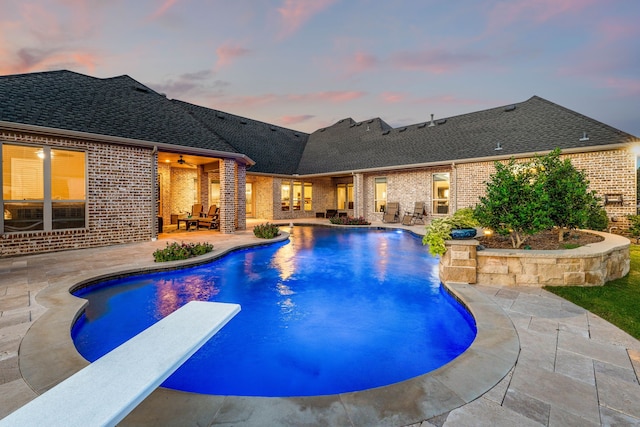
262,196
407,188
184,190
323,198
609,172
120,203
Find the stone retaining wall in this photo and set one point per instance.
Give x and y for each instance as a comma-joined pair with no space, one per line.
589,265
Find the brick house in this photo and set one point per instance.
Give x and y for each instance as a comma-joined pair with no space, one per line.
89,162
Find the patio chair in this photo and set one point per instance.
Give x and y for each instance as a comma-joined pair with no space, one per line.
196,210
331,213
419,213
211,220
392,213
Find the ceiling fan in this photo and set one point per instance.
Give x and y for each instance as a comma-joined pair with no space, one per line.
182,161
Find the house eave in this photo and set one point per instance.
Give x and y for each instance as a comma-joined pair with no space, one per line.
449,162
55,132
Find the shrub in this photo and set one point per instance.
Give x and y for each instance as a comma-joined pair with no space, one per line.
634,227
597,218
266,231
175,251
348,220
439,229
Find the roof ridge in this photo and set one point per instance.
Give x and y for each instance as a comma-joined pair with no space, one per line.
582,116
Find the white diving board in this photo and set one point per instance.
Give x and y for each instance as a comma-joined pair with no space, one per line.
104,392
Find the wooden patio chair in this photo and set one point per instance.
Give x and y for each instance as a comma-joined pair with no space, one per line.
211,220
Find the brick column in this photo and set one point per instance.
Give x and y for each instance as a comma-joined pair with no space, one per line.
358,195
459,263
227,196
241,196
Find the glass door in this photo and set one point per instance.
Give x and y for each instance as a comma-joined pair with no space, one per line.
249,199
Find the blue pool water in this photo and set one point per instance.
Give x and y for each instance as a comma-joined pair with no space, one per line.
330,311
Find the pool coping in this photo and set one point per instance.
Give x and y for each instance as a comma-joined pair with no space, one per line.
48,356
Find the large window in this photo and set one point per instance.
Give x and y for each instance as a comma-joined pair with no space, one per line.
296,196
344,194
441,193
308,196
285,196
43,188
380,194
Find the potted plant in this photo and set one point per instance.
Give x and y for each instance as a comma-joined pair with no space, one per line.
460,225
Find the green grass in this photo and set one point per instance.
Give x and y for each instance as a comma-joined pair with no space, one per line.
617,301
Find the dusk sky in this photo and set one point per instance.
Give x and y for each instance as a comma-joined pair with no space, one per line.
305,64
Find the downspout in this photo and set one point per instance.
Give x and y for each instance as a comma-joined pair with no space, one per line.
454,169
154,189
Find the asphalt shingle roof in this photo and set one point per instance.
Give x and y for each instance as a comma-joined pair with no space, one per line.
535,125
276,150
123,107
118,106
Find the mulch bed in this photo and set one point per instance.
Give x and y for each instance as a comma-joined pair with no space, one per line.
546,240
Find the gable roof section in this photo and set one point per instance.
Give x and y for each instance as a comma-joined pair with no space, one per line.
118,106
535,125
276,150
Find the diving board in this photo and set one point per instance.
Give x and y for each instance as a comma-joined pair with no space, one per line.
104,392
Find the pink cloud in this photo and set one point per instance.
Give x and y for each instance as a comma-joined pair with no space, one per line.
29,60
246,101
362,61
328,96
292,120
446,100
507,13
294,13
228,53
436,61
625,87
392,97
613,31
333,97
168,4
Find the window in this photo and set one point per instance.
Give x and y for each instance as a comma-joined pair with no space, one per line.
380,194
344,194
214,192
285,196
308,196
248,191
441,193
43,188
297,195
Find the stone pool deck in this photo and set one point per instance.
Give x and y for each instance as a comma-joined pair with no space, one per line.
573,368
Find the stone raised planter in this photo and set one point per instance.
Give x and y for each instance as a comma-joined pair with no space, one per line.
589,265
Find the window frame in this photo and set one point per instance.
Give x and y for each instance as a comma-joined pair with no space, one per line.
441,204
380,204
47,205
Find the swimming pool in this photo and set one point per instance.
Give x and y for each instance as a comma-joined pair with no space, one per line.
331,311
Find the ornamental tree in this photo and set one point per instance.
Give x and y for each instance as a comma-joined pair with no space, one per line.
570,201
516,203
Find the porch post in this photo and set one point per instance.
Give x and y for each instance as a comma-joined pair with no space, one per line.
227,196
241,196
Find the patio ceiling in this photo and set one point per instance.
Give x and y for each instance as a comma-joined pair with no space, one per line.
190,161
